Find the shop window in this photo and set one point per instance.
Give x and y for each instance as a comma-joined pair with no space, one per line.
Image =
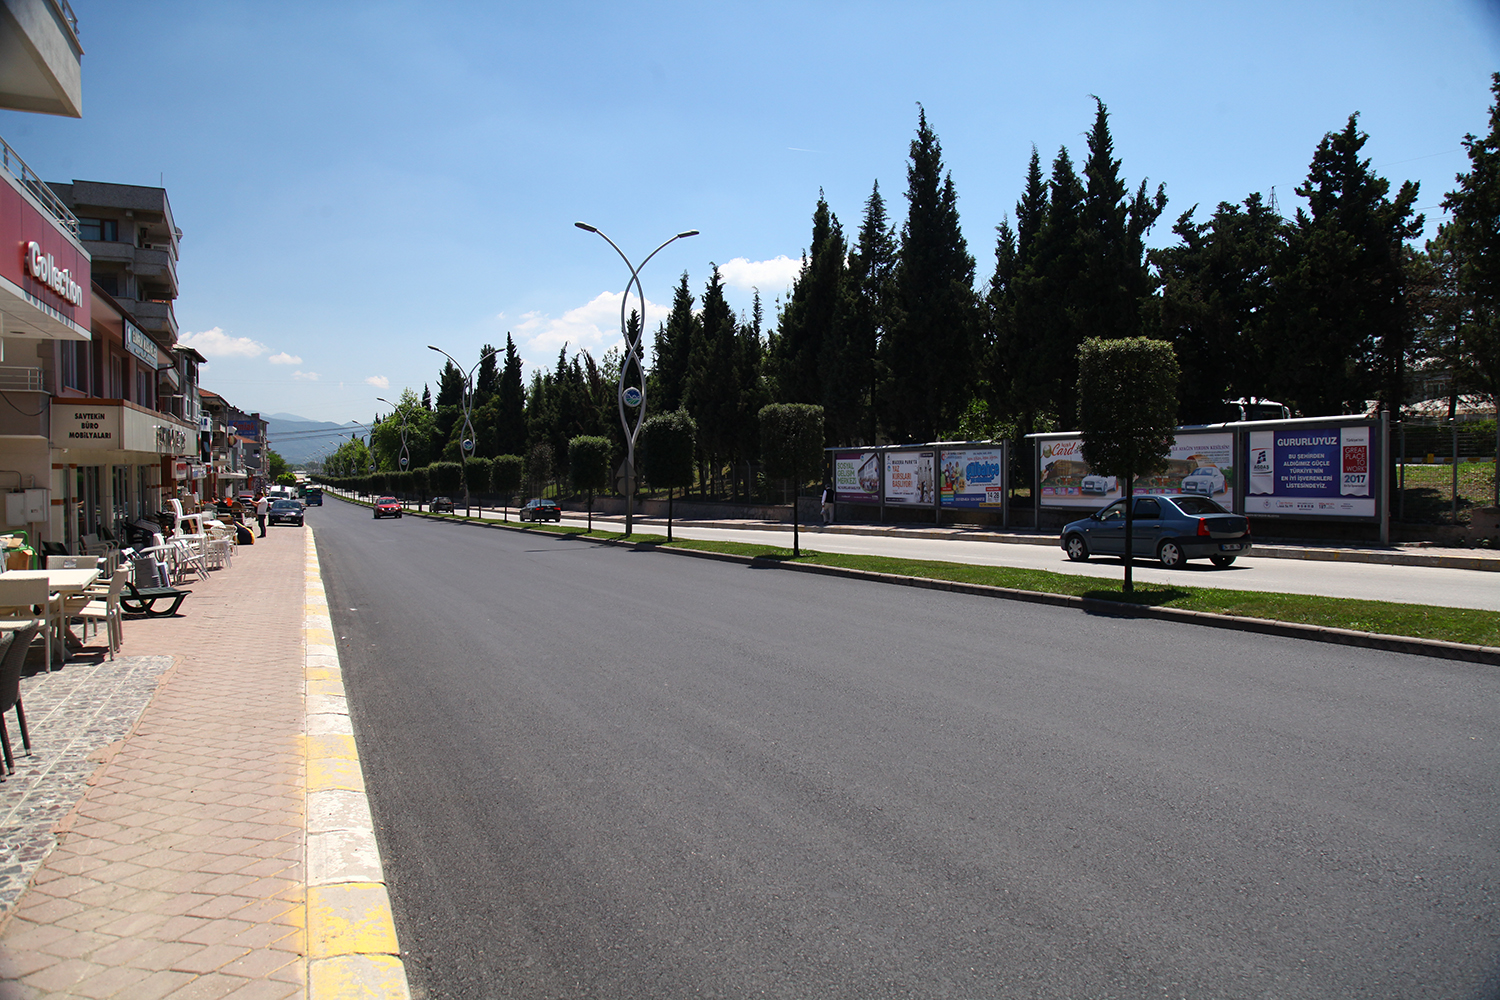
73,359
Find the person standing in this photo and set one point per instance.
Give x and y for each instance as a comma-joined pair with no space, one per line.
262,508
828,498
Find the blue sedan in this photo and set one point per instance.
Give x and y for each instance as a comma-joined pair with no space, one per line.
1172,528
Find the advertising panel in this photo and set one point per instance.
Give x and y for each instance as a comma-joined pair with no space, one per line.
973,477
1311,472
1196,463
908,477
856,476
48,267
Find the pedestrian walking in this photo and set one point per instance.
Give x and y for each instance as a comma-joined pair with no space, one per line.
828,498
262,508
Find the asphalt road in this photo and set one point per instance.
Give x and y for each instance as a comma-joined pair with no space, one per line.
1445,588
598,772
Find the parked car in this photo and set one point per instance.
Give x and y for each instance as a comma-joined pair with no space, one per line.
441,505
1170,527
540,510
387,507
286,512
1207,481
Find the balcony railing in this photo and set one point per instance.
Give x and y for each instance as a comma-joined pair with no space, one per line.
18,379
17,168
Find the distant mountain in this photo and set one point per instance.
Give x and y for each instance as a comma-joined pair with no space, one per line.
299,440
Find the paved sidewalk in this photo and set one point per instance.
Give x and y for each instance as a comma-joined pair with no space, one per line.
221,846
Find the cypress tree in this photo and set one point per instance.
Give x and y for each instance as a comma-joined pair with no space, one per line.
671,351
930,347
807,345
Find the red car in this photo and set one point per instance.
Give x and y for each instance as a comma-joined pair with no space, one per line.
387,507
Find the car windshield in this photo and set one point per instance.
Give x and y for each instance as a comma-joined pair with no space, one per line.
285,505
386,500
1203,472
1198,505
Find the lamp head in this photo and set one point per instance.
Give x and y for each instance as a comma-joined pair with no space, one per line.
585,227
690,232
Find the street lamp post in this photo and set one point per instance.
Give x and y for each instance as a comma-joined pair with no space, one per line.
466,441
405,456
632,396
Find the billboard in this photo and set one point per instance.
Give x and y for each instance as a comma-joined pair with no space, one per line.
908,477
856,476
1196,463
973,477
1311,472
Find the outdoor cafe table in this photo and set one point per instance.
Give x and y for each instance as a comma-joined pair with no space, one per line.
66,582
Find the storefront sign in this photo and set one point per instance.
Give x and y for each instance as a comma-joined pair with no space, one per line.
139,344
1318,472
86,426
59,279
44,272
973,477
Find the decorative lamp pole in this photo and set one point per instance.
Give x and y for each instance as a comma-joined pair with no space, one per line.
632,397
405,455
466,442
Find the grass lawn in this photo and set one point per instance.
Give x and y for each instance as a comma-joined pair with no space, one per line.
1429,492
1481,628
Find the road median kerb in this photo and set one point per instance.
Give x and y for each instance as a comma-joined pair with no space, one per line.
352,949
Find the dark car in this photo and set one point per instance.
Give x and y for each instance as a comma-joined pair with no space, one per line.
1172,528
387,507
286,512
540,510
313,497
441,505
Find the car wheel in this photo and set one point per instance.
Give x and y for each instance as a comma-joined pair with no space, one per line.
1077,548
1170,554
1222,561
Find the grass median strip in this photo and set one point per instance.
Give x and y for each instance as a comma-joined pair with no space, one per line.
1418,621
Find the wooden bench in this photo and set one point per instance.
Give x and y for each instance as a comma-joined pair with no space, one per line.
142,600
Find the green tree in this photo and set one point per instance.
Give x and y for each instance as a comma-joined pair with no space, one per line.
539,466
589,466
711,394
276,466
791,446
1341,309
507,472
1127,411
866,304
510,405
808,338
1217,294
1474,238
446,477
665,453
930,349
671,351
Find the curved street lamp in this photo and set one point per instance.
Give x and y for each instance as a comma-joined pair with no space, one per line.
632,397
466,441
405,455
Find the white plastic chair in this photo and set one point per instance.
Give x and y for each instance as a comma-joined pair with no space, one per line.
108,611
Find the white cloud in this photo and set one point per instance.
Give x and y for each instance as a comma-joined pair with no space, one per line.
378,381
306,376
772,276
216,343
284,359
594,327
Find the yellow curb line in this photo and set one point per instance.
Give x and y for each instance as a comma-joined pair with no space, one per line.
352,951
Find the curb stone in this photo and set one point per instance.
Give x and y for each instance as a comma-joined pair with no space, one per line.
352,950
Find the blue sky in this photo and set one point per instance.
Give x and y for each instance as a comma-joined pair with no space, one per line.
356,181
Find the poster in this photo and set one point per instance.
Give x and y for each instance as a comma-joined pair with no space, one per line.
908,477
1201,463
856,476
973,477
1317,472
